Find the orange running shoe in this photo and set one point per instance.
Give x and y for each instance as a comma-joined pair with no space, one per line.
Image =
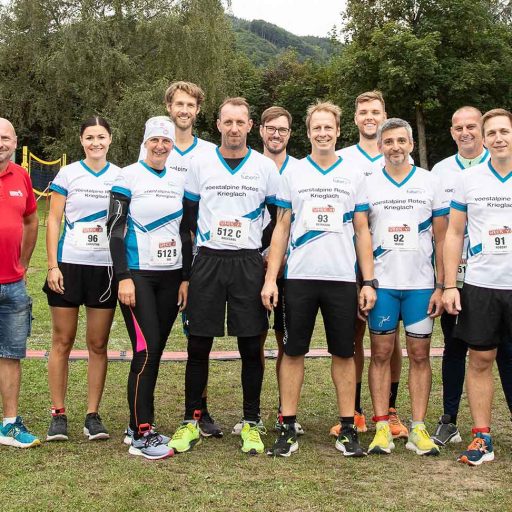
398,429
359,423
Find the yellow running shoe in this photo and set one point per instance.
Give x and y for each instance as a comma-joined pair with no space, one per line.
359,423
383,441
251,439
398,429
420,442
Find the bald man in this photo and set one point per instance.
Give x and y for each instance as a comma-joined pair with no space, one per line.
18,235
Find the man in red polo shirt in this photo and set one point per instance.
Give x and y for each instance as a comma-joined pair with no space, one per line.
18,235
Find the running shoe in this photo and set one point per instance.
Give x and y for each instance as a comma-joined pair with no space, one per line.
186,437
58,430
208,427
16,434
479,451
94,428
286,443
383,440
278,424
359,422
446,432
128,434
251,438
420,442
150,447
237,429
348,443
398,429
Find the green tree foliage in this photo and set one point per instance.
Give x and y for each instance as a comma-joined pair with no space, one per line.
428,57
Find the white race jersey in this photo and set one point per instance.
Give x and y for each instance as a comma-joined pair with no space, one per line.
152,237
84,238
323,203
486,198
231,202
401,227
449,171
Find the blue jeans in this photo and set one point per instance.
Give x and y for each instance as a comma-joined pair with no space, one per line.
15,320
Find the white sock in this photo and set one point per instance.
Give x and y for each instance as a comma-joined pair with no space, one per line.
9,420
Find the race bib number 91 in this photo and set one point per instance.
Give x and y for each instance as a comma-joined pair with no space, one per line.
90,236
400,236
497,240
230,230
323,217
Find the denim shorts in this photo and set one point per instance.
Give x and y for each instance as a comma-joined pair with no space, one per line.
15,320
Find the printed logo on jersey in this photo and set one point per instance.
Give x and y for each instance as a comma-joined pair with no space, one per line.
248,176
415,190
15,193
340,180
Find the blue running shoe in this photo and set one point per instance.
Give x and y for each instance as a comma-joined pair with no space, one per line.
479,451
128,434
150,447
16,434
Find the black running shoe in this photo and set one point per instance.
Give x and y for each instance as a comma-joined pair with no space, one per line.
348,443
446,432
94,428
208,427
286,443
58,430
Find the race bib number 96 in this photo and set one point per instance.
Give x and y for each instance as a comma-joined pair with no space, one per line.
323,217
497,240
90,236
230,230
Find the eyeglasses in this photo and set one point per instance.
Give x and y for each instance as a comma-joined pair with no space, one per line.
273,129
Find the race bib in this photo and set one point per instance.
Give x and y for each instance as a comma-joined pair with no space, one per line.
400,236
90,236
319,216
497,239
164,251
461,271
230,230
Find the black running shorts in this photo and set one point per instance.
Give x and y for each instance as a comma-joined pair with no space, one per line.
223,276
485,320
337,302
86,285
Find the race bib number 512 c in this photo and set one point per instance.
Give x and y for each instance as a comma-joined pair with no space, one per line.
230,230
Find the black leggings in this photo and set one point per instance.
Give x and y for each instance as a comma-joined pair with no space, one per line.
196,375
149,324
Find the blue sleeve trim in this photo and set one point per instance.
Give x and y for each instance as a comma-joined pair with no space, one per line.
363,207
121,190
192,197
283,204
59,190
459,206
441,212
270,199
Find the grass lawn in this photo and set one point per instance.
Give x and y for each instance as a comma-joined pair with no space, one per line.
216,476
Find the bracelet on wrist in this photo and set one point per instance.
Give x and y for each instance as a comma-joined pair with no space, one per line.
450,287
52,268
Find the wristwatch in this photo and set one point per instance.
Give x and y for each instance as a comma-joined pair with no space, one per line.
371,282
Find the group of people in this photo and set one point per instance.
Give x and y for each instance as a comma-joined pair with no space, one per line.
226,235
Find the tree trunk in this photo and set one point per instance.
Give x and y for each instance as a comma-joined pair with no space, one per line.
422,139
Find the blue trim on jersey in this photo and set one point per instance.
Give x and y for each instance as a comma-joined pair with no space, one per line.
481,161
60,190
423,226
255,213
362,207
458,206
493,170
152,171
379,252
89,218
192,197
285,163
281,203
164,220
326,171
130,242
60,245
205,237
347,217
365,154
307,237
440,212
188,150
475,249
121,190
404,181
239,166
96,174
